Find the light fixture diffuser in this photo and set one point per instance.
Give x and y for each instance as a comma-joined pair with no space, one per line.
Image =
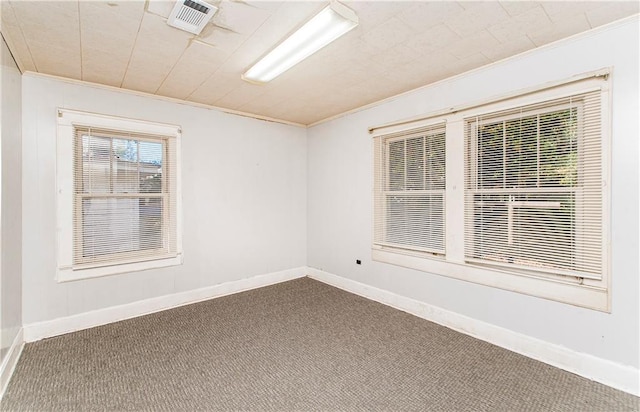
326,26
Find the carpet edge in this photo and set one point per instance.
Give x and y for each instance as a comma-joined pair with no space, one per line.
10,361
622,377
73,323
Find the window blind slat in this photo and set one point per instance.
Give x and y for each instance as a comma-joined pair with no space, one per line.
533,187
409,196
124,197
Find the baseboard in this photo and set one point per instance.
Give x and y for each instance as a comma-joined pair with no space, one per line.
60,326
10,361
622,377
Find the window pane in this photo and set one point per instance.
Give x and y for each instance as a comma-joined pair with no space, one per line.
151,162
396,165
96,169
491,156
116,225
435,153
125,166
535,230
558,148
416,220
522,152
415,163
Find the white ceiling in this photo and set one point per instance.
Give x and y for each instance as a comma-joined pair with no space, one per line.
397,46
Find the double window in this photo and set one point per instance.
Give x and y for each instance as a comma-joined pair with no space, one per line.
118,195
532,170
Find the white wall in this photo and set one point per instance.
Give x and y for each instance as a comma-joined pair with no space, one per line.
244,199
340,198
11,207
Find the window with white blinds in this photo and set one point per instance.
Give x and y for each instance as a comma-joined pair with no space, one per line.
410,190
118,185
511,192
533,187
124,197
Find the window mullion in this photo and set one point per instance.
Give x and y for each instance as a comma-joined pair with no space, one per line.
538,150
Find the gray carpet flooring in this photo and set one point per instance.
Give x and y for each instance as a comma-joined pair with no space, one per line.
295,346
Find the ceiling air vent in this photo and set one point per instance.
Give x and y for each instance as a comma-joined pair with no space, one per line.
191,15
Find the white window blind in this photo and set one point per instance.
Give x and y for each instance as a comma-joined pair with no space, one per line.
124,197
409,189
533,187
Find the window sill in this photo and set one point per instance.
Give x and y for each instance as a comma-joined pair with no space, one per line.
560,290
67,274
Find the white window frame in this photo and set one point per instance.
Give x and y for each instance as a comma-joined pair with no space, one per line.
384,143
583,292
66,121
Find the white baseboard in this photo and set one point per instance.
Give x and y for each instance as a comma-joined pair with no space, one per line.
10,361
60,326
622,377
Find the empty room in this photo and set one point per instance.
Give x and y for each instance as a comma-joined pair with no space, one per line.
319,205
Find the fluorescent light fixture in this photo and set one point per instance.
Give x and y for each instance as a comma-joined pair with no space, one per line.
326,26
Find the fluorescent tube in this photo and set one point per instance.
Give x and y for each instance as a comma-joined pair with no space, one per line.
331,23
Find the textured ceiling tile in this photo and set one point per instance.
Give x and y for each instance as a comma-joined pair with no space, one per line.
161,7
145,79
568,27
109,24
224,39
432,39
57,15
157,49
61,20
477,16
196,65
131,9
558,11
214,88
416,74
423,16
15,39
361,70
108,34
521,24
388,34
611,12
351,49
264,4
104,68
147,73
374,13
240,17
240,95
350,75
262,103
400,55
510,48
472,45
55,60
467,63
156,36
515,7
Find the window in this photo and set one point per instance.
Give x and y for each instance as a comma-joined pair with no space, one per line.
533,187
521,182
410,190
118,195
